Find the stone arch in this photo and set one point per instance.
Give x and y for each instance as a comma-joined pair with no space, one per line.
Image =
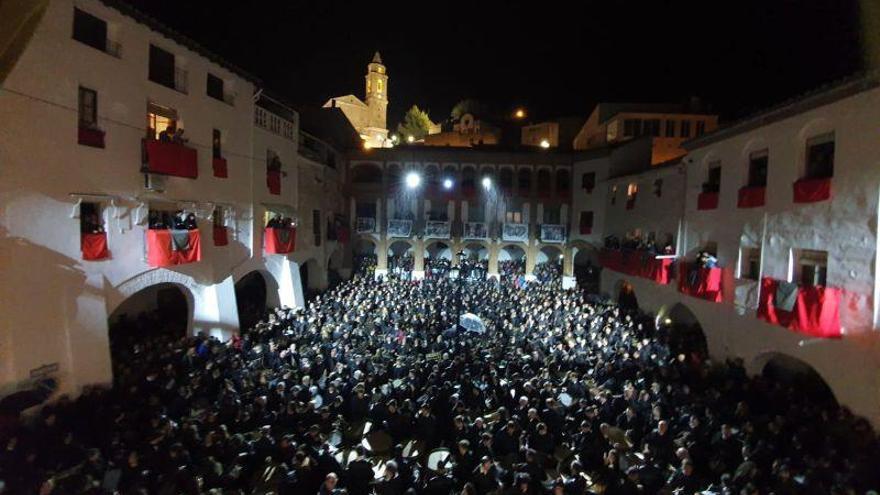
365,245
583,258
432,177
310,275
438,249
511,252
545,180
793,372
394,176
468,177
686,335
252,297
563,180
506,179
366,173
524,181
399,247
476,250
549,254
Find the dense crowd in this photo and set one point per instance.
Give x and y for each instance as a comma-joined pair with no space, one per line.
351,394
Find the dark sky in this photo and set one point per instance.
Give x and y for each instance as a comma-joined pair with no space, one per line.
556,58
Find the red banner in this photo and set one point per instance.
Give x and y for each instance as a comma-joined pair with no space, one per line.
816,312
273,181
637,263
91,137
220,169
707,201
171,159
812,190
221,236
94,246
161,252
279,241
751,197
701,282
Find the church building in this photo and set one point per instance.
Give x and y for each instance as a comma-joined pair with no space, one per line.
368,118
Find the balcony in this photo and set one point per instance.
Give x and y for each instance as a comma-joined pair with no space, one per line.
167,158
365,225
641,264
701,282
279,240
90,136
815,310
399,228
475,231
167,247
438,230
515,232
552,233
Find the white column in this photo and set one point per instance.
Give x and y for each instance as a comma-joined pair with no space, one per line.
464,211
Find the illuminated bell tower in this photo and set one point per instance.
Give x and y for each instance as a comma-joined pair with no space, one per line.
377,98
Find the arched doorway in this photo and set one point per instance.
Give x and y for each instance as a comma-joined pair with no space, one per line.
401,258
308,276
586,268
548,264
798,377
626,296
438,259
250,297
156,315
511,261
365,256
684,332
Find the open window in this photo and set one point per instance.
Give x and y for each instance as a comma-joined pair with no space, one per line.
758,162
820,157
164,70
221,233
89,132
586,222
810,267
93,237
588,181
92,31
513,217
749,263
713,178
160,119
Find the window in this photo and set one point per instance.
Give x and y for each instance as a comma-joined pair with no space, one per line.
820,157
670,128
586,222
316,226
810,267
685,129
588,181
216,143
651,127
701,127
506,178
90,219
632,127
631,190
658,187
544,183
88,108
525,180
89,29
219,218
552,215
379,86
749,263
159,118
513,217
562,181
162,67
215,87
713,180
758,168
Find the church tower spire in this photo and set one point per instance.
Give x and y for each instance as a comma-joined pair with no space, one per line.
377,93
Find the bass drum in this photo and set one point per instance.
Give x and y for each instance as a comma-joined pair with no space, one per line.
377,443
438,458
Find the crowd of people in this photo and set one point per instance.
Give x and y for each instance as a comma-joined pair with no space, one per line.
357,392
177,220
648,244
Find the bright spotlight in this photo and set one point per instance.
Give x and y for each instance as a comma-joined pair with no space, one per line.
413,180
410,139
487,183
545,144
447,184
520,113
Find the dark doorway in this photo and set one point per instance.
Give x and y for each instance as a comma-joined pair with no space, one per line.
800,377
250,297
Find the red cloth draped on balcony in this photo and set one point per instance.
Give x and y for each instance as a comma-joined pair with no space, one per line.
273,181
173,247
816,312
171,159
91,137
751,197
220,169
698,281
221,236
279,241
94,246
707,201
637,264
812,190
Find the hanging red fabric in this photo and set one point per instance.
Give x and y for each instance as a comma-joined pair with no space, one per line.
279,241
812,190
91,137
220,168
221,236
273,181
160,251
816,312
637,263
751,197
705,283
171,159
707,201
94,246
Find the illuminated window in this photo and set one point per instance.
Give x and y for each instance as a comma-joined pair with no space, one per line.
159,118
368,86
379,85
632,189
810,267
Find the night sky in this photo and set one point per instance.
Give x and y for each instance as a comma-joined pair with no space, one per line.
552,57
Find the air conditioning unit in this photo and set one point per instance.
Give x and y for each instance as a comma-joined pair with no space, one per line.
154,183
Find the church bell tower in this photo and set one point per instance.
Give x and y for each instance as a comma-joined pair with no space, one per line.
377,93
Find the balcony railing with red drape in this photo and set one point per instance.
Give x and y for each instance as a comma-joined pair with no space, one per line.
94,246
812,190
91,137
221,236
273,181
220,168
279,241
637,263
173,247
707,201
170,159
702,282
816,311
751,197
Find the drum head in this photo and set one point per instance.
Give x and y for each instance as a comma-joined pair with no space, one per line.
565,399
379,470
377,442
439,457
335,438
411,449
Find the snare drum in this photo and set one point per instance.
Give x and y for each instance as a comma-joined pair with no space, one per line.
440,457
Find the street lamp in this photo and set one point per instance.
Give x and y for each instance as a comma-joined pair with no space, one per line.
545,144
413,180
447,184
410,139
520,113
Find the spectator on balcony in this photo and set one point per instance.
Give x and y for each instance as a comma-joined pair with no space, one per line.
92,224
169,134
